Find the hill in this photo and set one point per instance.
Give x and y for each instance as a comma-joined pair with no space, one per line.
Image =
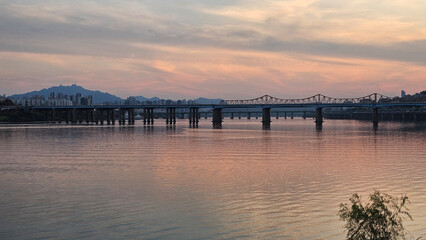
98,96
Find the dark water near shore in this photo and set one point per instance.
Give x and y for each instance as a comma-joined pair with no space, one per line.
239,182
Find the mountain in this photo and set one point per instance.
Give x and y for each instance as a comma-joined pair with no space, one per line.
98,96
143,99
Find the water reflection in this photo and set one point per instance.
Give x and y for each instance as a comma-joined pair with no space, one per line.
240,181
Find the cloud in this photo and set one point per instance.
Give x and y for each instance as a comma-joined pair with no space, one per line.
215,47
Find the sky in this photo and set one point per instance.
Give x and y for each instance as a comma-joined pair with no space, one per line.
229,49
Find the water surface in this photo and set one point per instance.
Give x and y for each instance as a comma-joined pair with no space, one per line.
239,182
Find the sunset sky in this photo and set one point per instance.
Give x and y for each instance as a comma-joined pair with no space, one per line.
215,48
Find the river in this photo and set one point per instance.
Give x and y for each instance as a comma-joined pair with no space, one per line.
238,182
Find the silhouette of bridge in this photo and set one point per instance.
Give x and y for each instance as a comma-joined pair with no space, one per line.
100,113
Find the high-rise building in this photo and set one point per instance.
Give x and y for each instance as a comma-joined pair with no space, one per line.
402,93
77,99
89,100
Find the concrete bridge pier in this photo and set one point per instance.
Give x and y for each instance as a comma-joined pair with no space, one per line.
120,116
67,116
131,116
375,117
217,118
248,115
266,117
88,116
53,115
95,116
101,116
145,116
193,116
152,116
173,116
108,117
277,115
319,118
168,115
205,115
74,116
292,115
285,115
80,116
113,116
148,116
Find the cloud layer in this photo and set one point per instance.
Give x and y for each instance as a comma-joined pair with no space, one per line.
227,49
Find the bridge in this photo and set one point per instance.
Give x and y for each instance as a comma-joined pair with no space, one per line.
109,113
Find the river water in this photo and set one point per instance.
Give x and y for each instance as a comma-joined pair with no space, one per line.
238,182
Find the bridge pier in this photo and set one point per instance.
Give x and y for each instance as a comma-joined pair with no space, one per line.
277,115
319,118
193,116
170,116
292,115
167,116
239,115
248,115
53,115
148,116
145,116
87,116
217,118
131,113
113,116
67,116
121,116
101,116
173,115
285,115
266,117
95,116
74,116
304,115
108,117
375,117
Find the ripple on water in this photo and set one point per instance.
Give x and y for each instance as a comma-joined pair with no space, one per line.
239,182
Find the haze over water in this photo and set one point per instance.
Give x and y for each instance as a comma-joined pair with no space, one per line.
239,182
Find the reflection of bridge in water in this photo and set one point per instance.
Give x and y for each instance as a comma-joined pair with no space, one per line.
109,113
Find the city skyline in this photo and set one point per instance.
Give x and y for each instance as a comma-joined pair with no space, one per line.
214,49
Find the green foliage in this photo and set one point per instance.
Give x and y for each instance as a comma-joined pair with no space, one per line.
378,219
